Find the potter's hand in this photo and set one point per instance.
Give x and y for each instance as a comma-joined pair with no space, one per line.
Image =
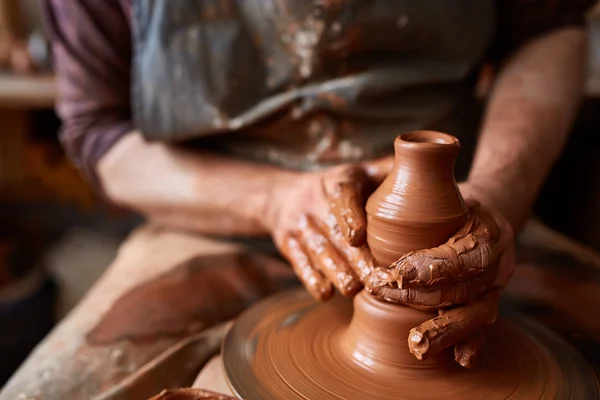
318,223
461,278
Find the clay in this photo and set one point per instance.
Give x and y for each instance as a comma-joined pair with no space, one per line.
292,347
330,252
346,203
456,325
190,298
418,205
416,209
377,335
326,258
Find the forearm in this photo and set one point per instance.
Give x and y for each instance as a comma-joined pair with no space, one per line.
197,191
527,122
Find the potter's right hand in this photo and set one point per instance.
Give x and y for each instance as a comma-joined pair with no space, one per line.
318,223
461,280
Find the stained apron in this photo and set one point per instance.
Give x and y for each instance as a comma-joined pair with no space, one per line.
305,84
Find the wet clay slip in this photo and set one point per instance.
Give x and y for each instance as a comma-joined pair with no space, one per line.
292,347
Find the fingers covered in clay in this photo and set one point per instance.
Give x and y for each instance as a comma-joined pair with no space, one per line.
313,280
325,238
466,255
456,326
326,258
468,353
345,195
359,258
434,297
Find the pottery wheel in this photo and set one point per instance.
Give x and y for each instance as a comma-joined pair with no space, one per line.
291,347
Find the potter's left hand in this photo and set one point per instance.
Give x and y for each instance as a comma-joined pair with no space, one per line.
461,280
318,223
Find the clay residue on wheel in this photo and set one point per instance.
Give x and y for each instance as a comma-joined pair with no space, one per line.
191,297
290,348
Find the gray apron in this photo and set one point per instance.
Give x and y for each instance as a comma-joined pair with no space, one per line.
300,83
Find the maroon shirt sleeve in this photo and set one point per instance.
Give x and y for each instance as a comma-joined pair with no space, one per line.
91,45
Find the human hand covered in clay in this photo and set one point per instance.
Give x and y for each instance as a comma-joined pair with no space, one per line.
318,223
461,279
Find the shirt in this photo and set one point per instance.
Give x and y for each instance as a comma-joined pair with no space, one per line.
92,48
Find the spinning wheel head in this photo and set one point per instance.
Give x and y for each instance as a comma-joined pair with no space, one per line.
292,347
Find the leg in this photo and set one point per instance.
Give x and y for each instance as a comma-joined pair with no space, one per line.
145,325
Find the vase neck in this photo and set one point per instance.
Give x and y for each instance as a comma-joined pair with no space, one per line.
426,154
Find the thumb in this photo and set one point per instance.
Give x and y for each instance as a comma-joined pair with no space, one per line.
345,194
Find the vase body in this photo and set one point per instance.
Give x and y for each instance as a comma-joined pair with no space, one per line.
418,205
379,331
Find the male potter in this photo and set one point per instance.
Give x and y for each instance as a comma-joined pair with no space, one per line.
226,119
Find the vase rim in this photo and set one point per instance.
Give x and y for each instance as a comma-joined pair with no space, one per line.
427,139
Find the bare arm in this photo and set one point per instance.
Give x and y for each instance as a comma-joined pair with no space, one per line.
202,192
198,191
525,127
527,122
529,114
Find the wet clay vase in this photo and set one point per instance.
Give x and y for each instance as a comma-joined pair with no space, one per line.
292,347
418,205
